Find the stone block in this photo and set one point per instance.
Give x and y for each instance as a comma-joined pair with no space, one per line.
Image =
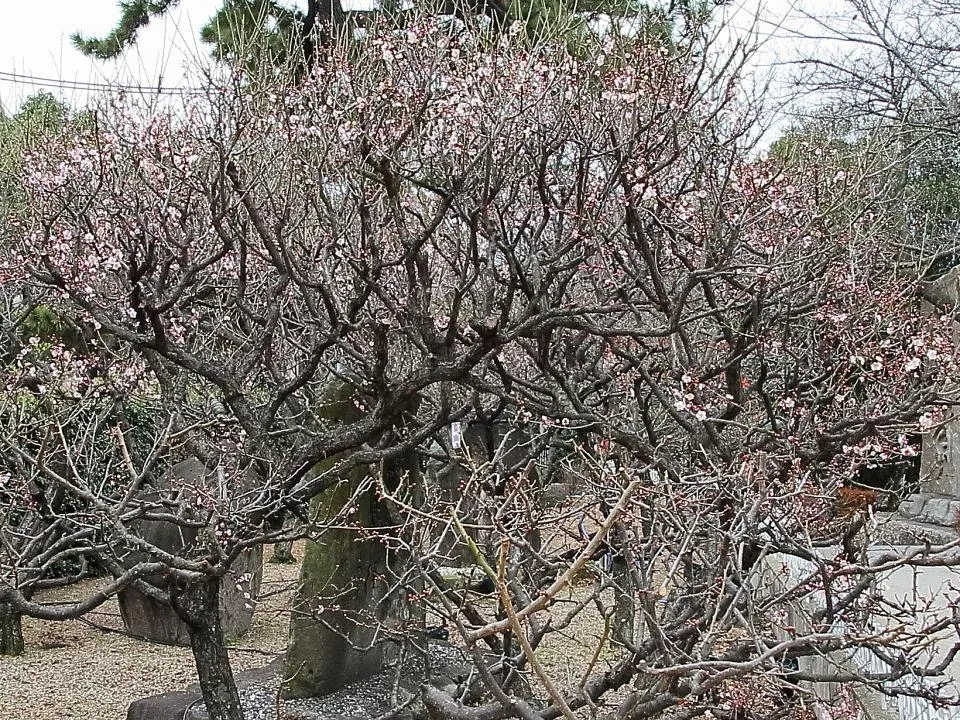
349,601
912,507
168,706
347,597
463,578
555,494
502,451
910,532
939,511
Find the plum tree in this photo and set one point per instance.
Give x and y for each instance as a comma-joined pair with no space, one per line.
456,224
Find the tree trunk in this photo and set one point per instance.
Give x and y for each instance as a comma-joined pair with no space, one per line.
197,603
11,631
625,610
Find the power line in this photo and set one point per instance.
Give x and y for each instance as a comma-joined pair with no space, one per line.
61,84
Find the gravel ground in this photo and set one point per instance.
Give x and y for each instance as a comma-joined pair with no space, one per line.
75,670
368,698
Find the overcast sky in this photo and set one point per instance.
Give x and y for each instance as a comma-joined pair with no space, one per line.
35,43
36,52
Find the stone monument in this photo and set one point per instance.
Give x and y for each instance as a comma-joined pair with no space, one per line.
933,513
149,618
350,606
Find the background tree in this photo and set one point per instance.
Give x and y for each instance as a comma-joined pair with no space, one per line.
893,77
25,321
40,114
252,32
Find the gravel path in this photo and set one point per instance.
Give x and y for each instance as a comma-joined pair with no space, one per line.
73,670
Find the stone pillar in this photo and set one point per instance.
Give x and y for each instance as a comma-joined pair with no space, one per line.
346,599
940,459
933,514
350,605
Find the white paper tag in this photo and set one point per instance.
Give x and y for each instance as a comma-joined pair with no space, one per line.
456,436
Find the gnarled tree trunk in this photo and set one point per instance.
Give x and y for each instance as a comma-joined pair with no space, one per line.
197,603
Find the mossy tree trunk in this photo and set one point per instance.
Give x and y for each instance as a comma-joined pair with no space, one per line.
344,602
11,631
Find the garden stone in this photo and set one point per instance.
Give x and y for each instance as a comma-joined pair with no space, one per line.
343,600
149,618
898,531
168,706
188,704
448,480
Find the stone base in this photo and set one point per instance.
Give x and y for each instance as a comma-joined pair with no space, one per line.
920,519
930,509
168,706
898,531
449,670
188,704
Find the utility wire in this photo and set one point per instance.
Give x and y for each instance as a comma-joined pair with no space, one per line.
59,83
